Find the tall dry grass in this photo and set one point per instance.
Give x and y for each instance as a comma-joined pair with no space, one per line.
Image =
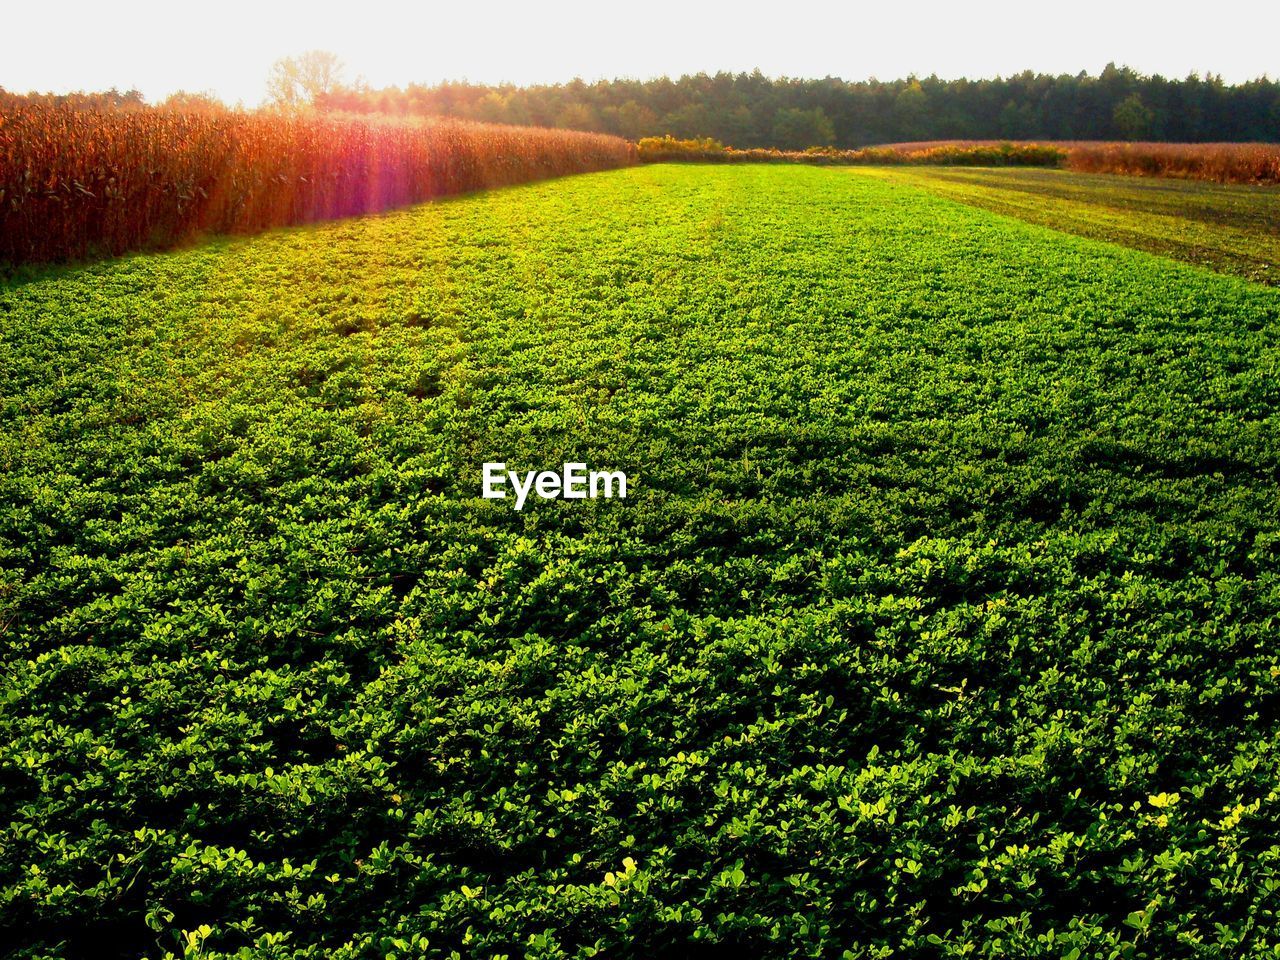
1223,162
1220,162
76,183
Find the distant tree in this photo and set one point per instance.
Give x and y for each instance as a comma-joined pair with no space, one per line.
131,98
737,127
796,129
111,99
305,80
491,108
1017,122
910,110
690,120
636,120
203,102
1132,118
577,116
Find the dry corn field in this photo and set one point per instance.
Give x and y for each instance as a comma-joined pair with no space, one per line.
80,183
1220,162
1223,162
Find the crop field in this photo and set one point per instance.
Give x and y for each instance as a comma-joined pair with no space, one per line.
1255,163
78,182
939,620
1228,227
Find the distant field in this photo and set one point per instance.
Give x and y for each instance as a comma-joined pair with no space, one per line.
1246,163
940,622
1256,163
1228,227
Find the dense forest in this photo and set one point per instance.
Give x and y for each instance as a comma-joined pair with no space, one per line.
752,110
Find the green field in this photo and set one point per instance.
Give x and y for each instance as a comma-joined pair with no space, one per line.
1233,228
940,620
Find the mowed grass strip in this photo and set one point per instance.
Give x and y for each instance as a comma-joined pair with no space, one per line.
940,620
1232,228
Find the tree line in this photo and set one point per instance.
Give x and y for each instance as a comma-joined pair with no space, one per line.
753,110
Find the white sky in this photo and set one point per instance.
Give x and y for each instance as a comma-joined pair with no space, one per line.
228,47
